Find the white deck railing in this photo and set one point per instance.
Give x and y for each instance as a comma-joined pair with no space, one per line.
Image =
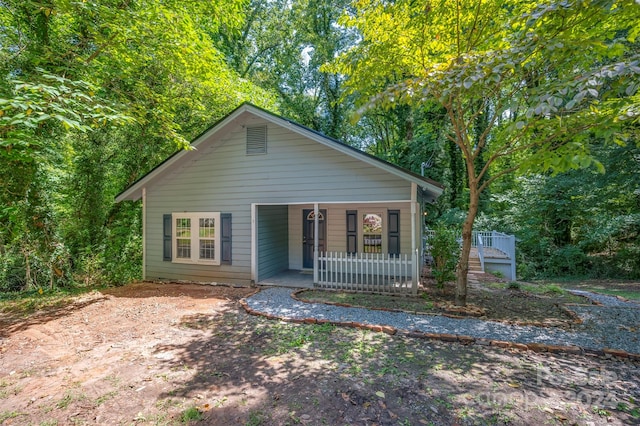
489,239
490,245
505,243
368,272
481,251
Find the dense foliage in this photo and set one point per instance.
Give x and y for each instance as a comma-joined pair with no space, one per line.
516,95
445,250
93,95
526,111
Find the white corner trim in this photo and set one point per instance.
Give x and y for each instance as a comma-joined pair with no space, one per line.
254,245
144,233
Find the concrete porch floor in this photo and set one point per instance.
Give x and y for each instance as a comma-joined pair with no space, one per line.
290,278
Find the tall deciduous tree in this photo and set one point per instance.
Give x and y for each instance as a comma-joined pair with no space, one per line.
282,47
523,84
82,65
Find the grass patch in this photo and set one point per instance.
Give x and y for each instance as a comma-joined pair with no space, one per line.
627,294
4,389
256,418
286,337
191,414
370,301
539,289
626,289
107,396
27,302
6,415
69,398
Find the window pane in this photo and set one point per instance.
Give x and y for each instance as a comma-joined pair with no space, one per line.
207,227
183,228
207,249
183,248
372,233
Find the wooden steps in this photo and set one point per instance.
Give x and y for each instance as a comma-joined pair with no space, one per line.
474,265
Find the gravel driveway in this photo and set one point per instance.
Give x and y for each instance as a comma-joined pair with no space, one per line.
614,324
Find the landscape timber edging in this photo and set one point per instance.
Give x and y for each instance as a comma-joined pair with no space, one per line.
574,318
455,338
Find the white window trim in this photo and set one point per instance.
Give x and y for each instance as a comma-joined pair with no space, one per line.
195,241
382,214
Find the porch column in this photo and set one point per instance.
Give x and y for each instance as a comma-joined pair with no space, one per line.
316,233
414,250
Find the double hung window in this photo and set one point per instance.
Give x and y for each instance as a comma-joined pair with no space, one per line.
196,238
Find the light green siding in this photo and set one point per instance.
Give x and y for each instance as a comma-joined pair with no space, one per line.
273,241
336,221
220,177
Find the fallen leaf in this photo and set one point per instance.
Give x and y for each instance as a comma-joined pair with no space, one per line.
380,394
514,385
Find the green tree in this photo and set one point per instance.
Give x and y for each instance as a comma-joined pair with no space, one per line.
579,222
282,48
541,76
91,64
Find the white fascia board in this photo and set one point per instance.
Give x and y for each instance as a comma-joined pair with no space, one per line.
134,192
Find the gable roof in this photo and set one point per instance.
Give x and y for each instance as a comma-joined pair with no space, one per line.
134,191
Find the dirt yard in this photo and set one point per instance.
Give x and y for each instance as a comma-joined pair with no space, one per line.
165,354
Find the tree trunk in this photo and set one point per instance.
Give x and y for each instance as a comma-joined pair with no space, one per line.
467,228
27,272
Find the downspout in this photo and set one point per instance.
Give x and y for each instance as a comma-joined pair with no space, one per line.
414,249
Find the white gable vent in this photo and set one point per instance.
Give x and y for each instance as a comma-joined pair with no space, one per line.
256,140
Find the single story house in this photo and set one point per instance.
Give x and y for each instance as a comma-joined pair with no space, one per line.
260,195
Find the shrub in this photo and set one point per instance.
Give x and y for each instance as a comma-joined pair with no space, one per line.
445,250
513,285
553,289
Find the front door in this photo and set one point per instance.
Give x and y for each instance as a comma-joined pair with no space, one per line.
308,223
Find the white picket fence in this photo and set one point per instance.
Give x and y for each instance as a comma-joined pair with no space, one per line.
368,272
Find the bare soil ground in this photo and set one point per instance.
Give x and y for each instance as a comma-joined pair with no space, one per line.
161,353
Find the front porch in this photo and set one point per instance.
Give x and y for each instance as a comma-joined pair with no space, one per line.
289,278
359,246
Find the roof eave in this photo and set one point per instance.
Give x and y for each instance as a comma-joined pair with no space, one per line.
426,184
134,191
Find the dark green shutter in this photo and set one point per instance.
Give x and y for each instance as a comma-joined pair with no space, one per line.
166,238
225,238
394,232
352,231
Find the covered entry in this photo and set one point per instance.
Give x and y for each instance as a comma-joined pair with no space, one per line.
271,225
359,246
309,235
